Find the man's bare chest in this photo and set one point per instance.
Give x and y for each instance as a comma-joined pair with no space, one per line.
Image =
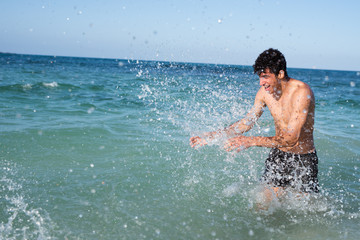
280,111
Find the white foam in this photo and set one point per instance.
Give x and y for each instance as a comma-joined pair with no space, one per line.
24,221
293,201
27,86
51,85
231,190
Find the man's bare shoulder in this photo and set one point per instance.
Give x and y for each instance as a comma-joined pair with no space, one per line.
299,87
294,83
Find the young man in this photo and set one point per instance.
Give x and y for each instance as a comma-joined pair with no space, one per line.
292,161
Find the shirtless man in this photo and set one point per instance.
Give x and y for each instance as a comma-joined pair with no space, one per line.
292,161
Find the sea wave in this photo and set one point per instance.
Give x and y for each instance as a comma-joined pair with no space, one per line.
51,85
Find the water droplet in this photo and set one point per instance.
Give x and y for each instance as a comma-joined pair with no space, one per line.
251,233
219,20
139,73
90,110
352,84
93,191
92,165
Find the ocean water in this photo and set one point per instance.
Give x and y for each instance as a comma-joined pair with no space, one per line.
99,149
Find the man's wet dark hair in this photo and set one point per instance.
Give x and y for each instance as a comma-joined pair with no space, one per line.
272,59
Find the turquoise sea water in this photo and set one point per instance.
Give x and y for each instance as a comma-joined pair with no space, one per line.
99,149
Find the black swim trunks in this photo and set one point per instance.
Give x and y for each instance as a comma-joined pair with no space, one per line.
283,169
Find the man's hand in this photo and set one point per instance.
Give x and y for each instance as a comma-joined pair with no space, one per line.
240,143
197,142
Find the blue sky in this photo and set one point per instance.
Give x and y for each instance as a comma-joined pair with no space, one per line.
311,33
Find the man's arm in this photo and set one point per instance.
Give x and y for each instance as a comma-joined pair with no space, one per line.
235,129
245,124
288,136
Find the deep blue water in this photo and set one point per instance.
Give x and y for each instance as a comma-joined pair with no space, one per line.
99,149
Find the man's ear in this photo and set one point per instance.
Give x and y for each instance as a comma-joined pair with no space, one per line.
281,74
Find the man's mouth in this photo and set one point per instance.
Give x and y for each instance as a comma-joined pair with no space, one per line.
267,87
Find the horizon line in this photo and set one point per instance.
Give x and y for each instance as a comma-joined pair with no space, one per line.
181,62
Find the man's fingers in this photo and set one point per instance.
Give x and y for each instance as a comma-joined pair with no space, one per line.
197,141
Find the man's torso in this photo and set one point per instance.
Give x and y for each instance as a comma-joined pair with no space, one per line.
281,110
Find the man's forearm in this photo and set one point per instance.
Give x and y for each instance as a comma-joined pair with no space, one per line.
233,130
270,142
210,136
239,128
263,142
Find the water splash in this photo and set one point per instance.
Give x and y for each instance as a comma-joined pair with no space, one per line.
193,105
20,219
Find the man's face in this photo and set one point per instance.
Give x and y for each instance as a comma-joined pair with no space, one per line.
269,81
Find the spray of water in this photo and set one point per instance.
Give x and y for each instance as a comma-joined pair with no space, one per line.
188,106
19,218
